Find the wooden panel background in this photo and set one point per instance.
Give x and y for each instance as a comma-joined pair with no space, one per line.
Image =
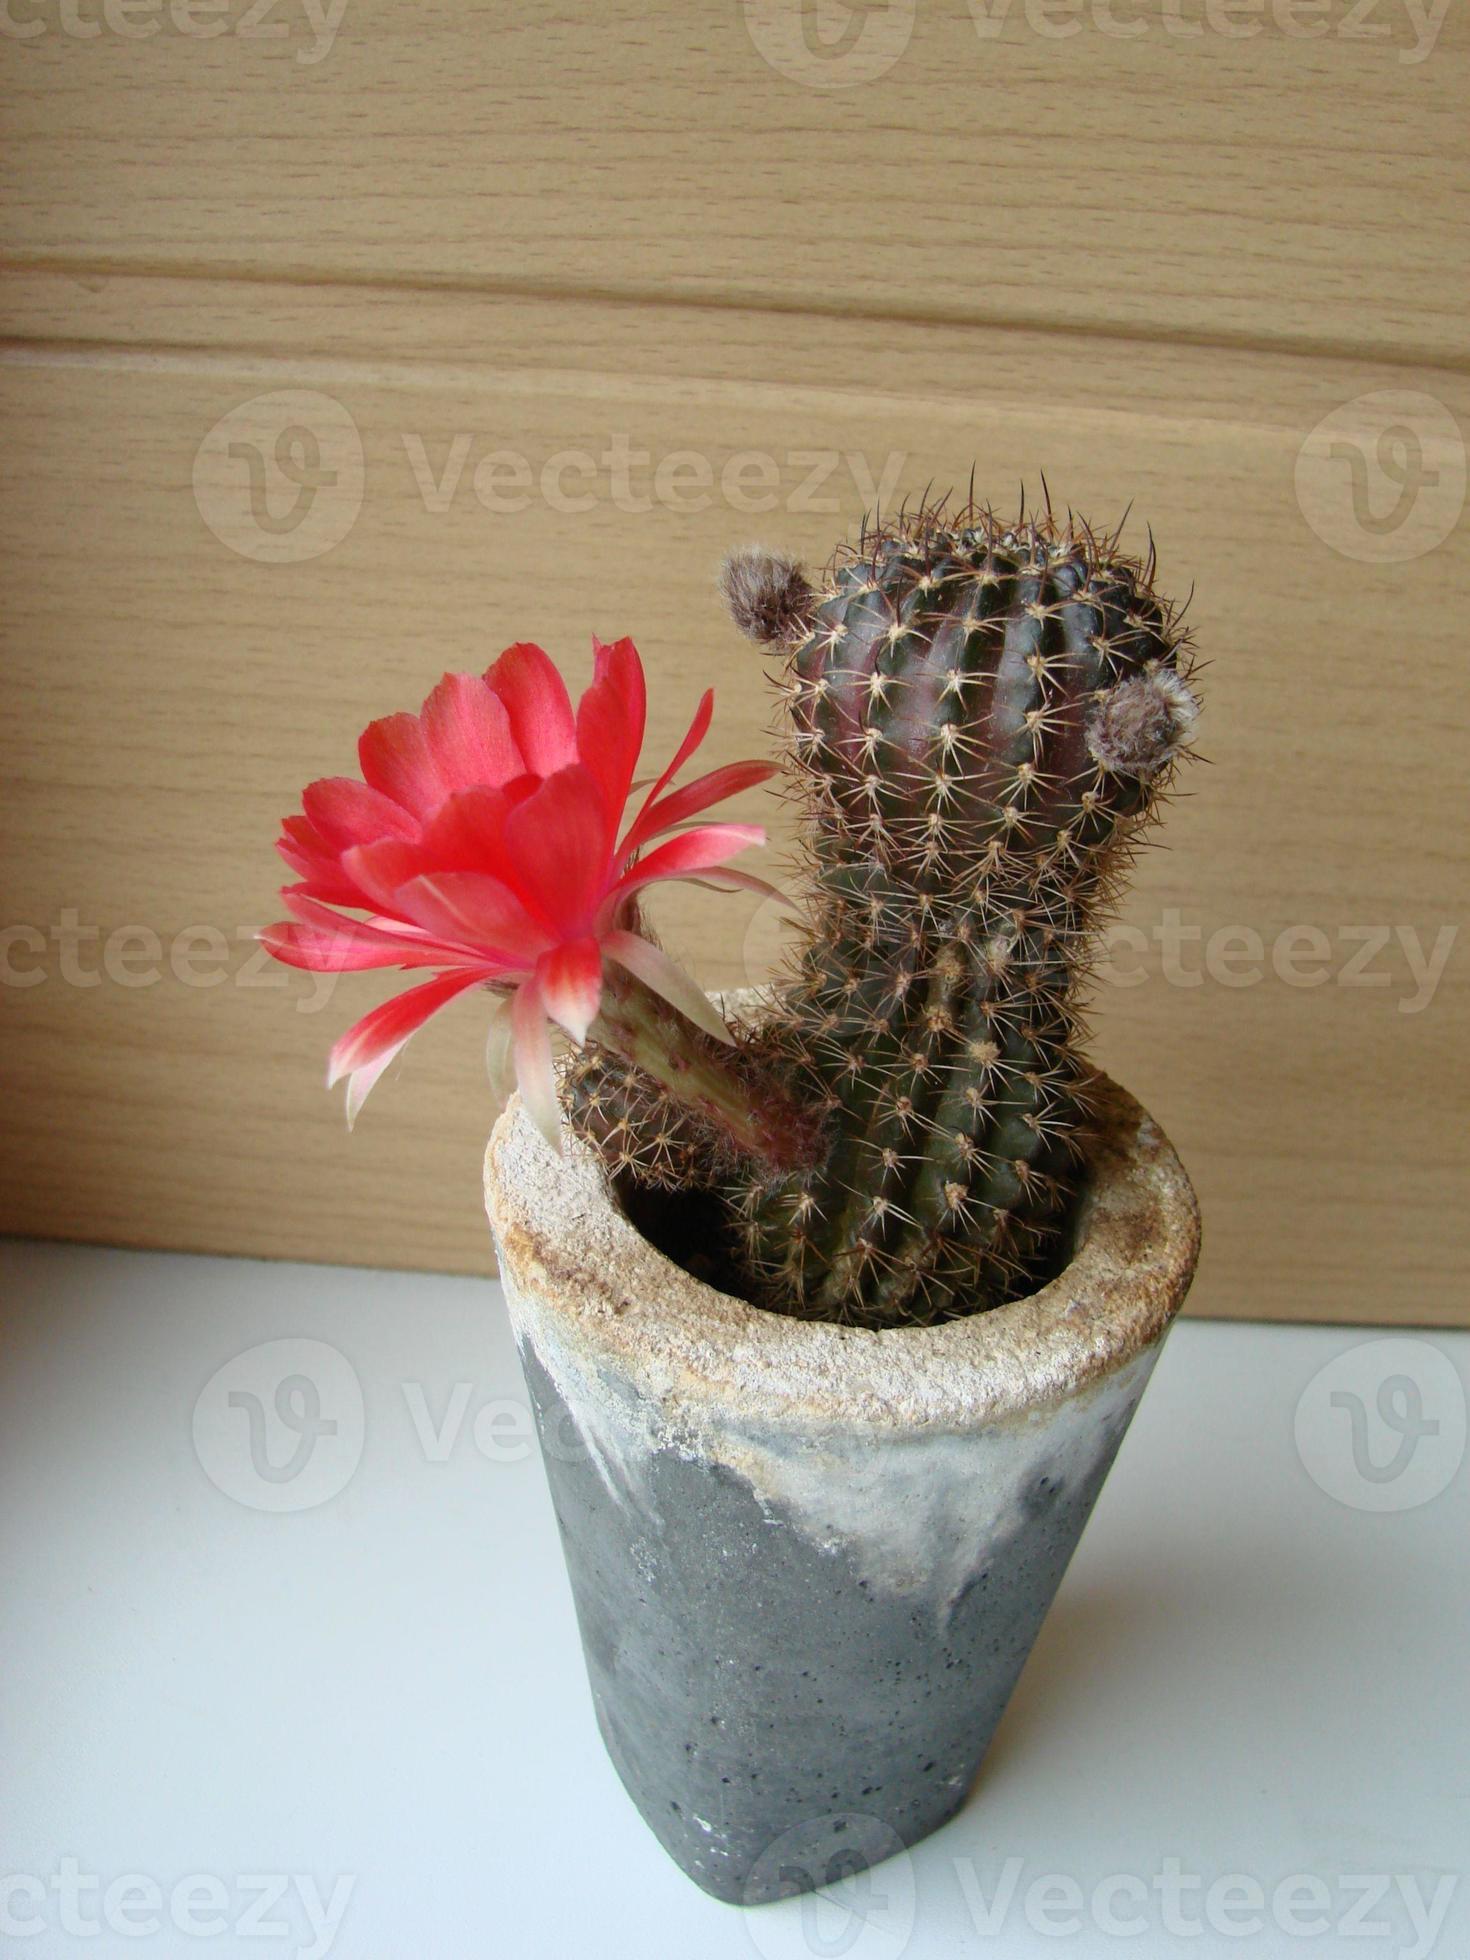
1148,265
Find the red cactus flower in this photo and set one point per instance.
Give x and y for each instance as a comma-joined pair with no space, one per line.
483,840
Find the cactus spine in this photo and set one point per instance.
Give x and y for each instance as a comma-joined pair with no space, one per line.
983,716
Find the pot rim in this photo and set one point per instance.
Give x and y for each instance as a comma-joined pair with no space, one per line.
568,1251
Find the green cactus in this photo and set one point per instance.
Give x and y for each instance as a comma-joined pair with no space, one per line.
983,717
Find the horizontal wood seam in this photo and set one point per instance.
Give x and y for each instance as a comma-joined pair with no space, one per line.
1416,358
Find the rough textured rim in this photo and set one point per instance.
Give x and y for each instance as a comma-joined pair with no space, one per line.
569,1253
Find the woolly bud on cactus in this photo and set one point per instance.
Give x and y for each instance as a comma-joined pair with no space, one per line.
768,594
983,716
1142,726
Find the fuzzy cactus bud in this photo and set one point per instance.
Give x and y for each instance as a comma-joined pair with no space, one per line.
769,596
1142,726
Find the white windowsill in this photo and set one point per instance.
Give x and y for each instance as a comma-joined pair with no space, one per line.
1243,1676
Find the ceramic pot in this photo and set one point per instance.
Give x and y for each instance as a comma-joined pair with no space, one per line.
809,1561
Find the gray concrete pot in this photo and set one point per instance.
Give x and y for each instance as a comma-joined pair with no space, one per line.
809,1561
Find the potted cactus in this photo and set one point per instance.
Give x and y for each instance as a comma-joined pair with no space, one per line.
838,1299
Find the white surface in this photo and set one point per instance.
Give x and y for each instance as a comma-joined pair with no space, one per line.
217,1709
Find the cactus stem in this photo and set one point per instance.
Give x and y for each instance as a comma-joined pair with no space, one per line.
984,718
760,1121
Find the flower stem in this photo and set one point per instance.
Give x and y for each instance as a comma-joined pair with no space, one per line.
758,1116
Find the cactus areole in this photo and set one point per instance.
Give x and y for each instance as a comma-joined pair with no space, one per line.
982,718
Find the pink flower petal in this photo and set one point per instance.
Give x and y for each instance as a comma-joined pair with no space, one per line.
395,759
700,849
656,970
309,858
500,1060
390,1024
619,662
379,870
468,831
610,720
466,834
361,1080
570,981
306,838
345,812
304,906
344,949
540,710
535,1075
469,735
467,908
558,847
687,802
694,735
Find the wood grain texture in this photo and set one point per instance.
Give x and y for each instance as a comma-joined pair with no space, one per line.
1291,172
166,694
549,306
